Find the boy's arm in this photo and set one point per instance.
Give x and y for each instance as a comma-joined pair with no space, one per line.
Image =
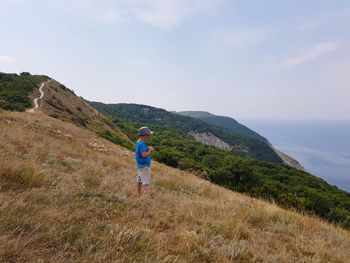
146,153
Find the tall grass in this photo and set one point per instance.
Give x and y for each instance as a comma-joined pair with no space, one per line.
17,174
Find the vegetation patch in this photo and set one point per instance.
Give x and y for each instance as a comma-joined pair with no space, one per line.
55,115
115,139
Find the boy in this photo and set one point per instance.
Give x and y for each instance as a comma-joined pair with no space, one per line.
143,160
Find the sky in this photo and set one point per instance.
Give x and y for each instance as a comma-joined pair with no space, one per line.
251,59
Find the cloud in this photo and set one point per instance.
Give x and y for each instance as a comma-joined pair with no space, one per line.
311,54
332,17
6,60
242,36
310,25
163,14
304,56
102,11
166,14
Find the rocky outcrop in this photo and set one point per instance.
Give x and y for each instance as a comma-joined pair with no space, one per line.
289,160
210,139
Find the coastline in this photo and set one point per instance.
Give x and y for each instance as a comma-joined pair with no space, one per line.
289,160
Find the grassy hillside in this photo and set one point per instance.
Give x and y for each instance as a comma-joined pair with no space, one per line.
224,122
287,186
68,196
15,90
62,103
141,114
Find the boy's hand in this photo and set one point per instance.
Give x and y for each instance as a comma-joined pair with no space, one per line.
150,149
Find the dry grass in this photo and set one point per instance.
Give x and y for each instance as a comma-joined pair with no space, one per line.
61,103
63,199
18,174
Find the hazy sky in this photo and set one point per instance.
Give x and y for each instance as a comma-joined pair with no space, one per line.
261,59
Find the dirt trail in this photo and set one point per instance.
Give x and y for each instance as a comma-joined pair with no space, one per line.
36,104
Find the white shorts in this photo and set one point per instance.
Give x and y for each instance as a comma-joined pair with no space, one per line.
143,176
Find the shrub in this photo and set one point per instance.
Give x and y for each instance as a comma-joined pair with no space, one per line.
15,90
169,157
115,139
55,115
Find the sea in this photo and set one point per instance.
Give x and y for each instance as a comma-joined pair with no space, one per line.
321,147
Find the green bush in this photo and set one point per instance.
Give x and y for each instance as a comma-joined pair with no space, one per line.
15,89
115,139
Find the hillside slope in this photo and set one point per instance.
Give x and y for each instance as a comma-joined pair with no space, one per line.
223,122
62,103
18,91
67,195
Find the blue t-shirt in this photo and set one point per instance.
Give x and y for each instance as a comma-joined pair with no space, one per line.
141,147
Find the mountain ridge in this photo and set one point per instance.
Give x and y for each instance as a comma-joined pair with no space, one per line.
240,143
233,125
224,122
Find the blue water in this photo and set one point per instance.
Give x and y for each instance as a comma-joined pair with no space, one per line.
323,148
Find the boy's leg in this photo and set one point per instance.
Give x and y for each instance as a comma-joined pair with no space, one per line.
138,183
146,190
145,178
138,187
